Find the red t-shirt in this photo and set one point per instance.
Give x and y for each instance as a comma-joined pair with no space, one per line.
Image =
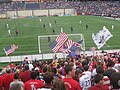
6,80
99,87
33,84
71,84
25,76
0,83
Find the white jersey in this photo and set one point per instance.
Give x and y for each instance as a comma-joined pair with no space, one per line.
112,27
85,82
88,73
9,32
50,25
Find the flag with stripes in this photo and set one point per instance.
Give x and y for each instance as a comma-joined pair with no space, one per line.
10,49
70,46
59,42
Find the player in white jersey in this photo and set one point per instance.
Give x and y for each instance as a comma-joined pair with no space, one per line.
85,82
50,25
9,32
112,27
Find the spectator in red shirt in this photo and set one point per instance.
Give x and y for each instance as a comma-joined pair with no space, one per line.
98,80
25,76
33,84
7,79
70,83
0,83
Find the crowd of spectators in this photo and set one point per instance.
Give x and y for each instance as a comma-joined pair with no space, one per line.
107,8
100,71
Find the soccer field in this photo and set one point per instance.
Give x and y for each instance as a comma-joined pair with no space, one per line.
31,28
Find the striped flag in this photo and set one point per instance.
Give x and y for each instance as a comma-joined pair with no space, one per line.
59,42
64,49
70,46
69,43
10,49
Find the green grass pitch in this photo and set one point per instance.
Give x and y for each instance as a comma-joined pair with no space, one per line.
31,28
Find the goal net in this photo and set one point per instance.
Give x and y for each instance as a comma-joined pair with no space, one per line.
44,42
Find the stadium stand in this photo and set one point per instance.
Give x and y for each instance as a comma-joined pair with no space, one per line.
98,8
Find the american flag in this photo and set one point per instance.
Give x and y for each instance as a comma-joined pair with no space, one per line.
70,46
61,39
64,50
10,49
69,43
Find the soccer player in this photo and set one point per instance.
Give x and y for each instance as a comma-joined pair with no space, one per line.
61,29
17,31
112,27
86,26
55,21
70,83
80,22
7,26
50,25
71,29
44,26
49,39
40,20
9,32
53,30
33,84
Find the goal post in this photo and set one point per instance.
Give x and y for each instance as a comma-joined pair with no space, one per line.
43,44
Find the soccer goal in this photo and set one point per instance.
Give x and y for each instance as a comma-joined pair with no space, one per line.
44,41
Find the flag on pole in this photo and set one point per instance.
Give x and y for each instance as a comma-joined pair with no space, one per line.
10,49
70,46
101,37
59,42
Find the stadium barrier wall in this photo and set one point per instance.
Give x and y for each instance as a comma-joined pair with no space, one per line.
47,12
47,56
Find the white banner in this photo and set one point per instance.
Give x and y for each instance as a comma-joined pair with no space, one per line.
101,37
